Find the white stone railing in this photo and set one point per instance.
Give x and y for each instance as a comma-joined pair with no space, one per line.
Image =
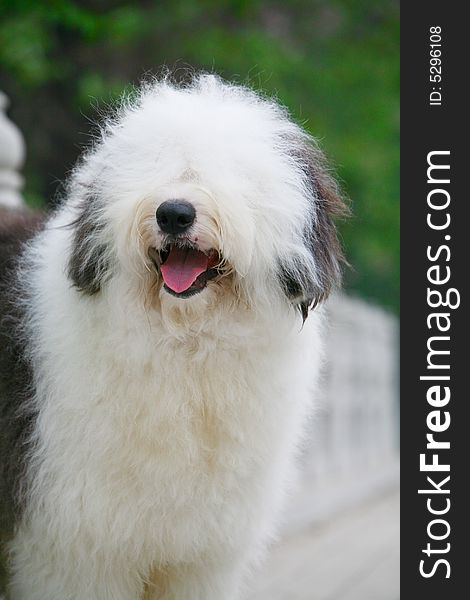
352,450
12,154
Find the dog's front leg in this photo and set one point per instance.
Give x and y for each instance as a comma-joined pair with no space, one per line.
220,580
44,568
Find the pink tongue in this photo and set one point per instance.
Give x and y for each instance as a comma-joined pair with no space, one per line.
182,267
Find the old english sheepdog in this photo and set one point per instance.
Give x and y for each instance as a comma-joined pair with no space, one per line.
158,360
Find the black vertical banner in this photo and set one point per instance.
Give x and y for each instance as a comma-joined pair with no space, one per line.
435,259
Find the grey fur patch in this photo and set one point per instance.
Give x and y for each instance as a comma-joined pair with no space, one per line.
321,237
16,376
89,263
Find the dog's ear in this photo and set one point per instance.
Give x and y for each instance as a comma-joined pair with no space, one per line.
89,263
309,282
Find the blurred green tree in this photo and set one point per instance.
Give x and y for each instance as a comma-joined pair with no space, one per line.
333,63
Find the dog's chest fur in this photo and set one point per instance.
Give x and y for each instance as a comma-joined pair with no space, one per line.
153,441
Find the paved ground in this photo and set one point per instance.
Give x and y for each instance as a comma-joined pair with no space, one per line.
354,556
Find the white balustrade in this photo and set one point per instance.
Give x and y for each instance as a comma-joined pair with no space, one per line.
12,154
351,451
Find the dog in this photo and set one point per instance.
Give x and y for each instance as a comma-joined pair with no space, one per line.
161,341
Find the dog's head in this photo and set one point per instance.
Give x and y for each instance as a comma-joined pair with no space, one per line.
206,195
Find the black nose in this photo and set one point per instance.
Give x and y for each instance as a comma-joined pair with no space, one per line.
175,216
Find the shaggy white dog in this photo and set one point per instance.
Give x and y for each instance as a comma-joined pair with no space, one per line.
160,363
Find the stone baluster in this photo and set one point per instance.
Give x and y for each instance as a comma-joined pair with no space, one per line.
12,154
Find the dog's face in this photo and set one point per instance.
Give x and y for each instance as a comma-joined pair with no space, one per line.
205,196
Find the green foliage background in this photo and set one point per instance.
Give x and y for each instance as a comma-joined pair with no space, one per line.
334,63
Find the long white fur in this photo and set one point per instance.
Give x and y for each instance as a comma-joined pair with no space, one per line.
166,428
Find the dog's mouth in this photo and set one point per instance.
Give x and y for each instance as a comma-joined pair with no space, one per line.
185,269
